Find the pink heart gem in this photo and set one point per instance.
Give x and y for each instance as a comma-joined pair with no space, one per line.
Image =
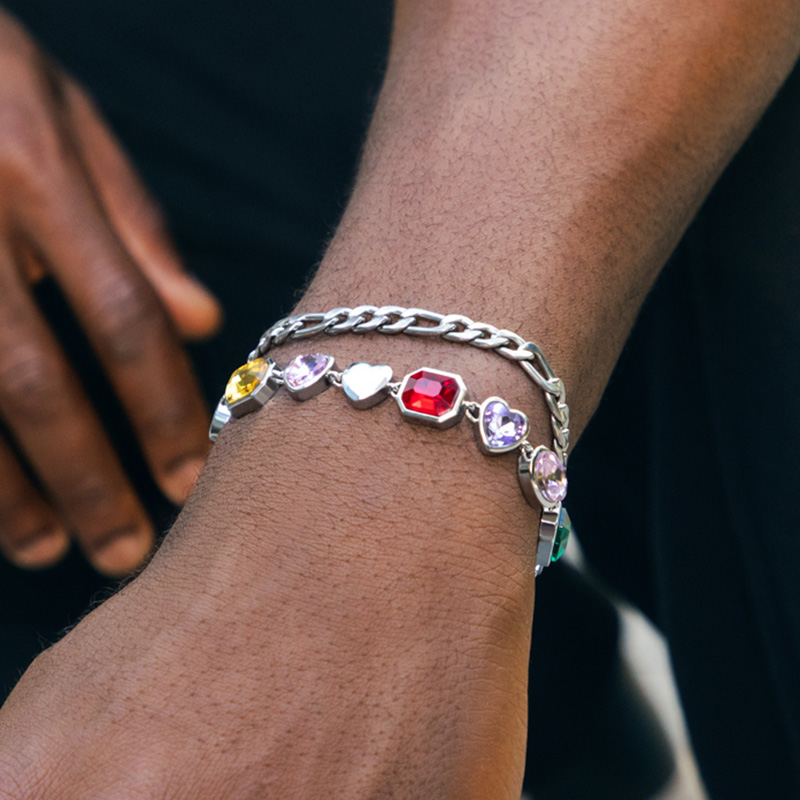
305,369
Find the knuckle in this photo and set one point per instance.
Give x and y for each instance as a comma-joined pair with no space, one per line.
30,146
170,421
27,381
88,495
128,320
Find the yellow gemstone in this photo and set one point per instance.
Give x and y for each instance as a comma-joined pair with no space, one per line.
245,380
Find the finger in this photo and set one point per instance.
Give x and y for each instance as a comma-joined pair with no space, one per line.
48,414
136,219
127,326
30,533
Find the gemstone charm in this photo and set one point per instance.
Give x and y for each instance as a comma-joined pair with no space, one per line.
563,532
304,375
365,385
251,386
500,428
244,380
550,476
543,478
432,397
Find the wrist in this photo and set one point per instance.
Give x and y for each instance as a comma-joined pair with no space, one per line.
319,481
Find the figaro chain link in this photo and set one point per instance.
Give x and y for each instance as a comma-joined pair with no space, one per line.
450,327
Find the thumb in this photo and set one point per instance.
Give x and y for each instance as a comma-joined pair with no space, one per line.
136,218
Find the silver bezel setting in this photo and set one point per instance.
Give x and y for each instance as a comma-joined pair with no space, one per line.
318,384
381,392
446,420
528,483
264,392
221,417
480,432
548,528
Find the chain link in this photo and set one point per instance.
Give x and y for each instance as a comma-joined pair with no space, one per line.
393,320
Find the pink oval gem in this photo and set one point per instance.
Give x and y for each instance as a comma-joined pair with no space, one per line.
550,476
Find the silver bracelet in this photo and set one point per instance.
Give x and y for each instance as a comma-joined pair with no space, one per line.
452,328
425,395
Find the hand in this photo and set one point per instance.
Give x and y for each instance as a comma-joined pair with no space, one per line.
348,617
72,207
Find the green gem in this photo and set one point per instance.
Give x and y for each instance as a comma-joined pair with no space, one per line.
563,531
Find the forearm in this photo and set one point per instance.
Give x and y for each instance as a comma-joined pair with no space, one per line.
534,164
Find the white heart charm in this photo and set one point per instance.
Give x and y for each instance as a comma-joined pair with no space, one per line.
366,384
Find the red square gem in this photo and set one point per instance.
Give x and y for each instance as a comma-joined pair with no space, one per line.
429,392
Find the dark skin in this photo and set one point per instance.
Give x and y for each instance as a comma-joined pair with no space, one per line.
345,604
72,207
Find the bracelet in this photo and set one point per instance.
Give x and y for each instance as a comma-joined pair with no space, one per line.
451,327
425,395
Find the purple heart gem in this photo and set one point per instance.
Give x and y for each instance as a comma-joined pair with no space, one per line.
503,427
